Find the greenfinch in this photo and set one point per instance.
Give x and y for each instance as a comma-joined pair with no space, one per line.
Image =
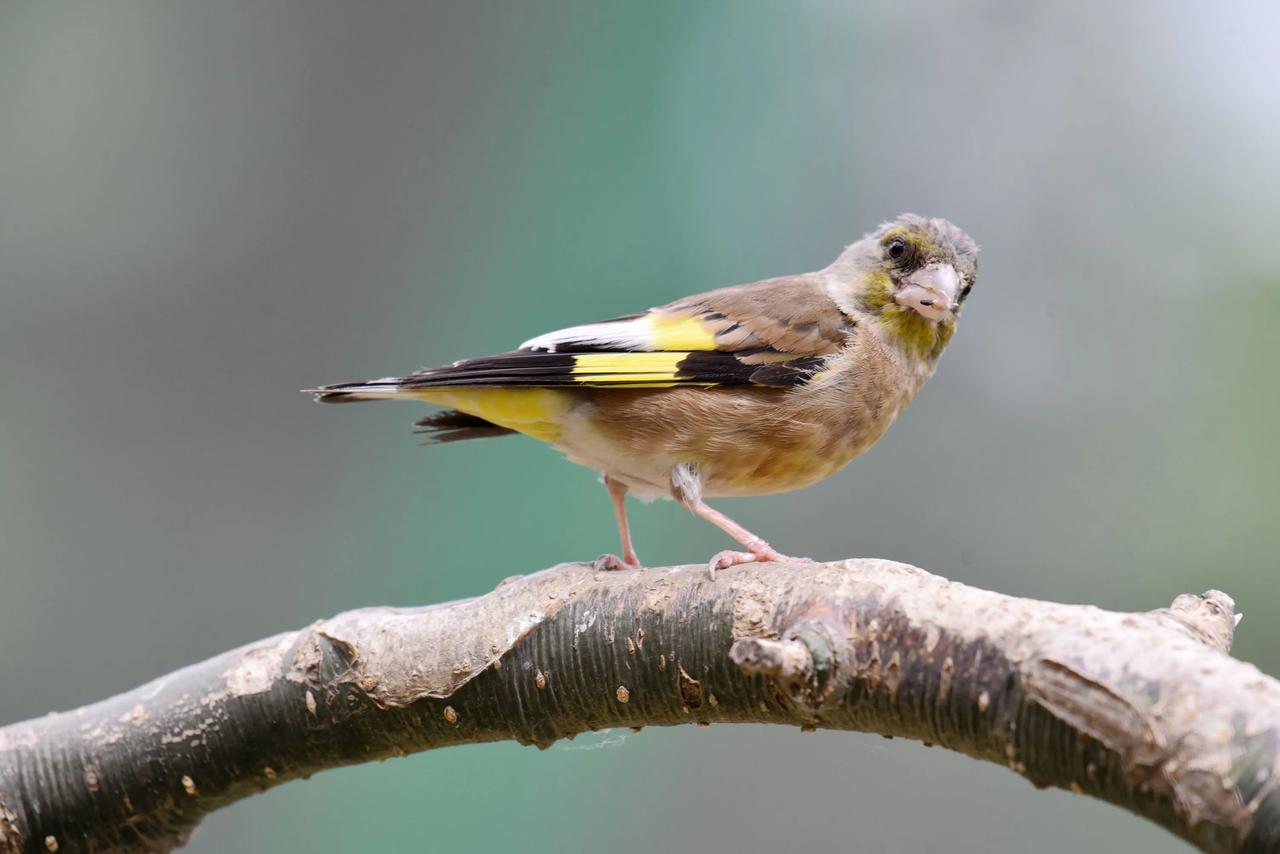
748,390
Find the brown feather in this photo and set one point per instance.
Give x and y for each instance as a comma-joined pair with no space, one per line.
789,314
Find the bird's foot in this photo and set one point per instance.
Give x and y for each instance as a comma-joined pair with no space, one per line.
759,553
611,562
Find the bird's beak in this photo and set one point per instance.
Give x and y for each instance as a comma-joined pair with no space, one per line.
930,291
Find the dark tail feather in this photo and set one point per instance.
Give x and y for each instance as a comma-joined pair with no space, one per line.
388,389
454,426
440,427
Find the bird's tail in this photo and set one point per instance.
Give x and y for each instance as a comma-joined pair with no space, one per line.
450,425
387,388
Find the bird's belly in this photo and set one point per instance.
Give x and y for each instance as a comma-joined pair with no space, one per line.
764,470
648,475
734,456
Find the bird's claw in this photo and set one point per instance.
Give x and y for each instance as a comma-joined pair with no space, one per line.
728,558
611,563
763,553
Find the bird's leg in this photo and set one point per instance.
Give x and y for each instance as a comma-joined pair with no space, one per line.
629,560
686,485
757,549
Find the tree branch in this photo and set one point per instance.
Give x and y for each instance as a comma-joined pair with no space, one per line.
1146,711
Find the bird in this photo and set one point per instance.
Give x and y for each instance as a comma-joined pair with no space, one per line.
747,390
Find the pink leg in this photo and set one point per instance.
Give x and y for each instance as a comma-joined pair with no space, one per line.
757,549
629,560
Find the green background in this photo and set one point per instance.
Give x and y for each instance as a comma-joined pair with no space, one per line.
206,206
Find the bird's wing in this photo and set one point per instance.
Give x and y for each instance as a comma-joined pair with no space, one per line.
774,333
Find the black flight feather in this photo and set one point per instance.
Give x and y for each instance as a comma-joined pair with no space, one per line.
454,426
555,370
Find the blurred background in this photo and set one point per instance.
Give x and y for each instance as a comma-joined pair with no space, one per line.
207,206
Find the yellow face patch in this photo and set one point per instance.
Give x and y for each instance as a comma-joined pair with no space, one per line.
876,290
536,412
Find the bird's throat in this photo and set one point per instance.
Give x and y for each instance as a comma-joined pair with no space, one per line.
916,336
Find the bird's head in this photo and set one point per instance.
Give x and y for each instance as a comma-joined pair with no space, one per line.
912,276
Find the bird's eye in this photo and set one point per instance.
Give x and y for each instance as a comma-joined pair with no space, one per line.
897,249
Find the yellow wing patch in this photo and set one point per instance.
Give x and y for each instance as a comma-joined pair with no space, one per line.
536,412
677,332
629,368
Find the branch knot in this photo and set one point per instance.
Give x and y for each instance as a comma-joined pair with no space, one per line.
802,664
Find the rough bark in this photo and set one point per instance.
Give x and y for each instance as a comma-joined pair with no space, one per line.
1146,711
